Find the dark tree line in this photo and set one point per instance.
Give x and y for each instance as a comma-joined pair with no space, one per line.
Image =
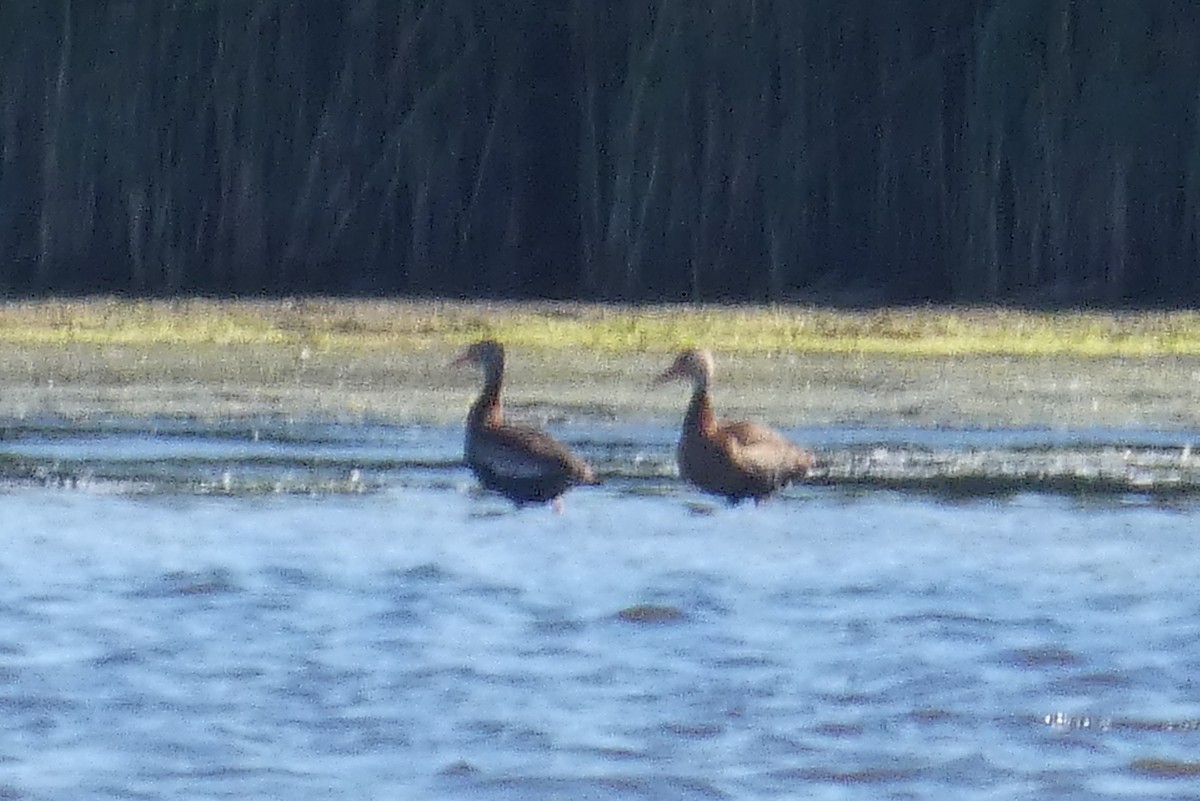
1013,150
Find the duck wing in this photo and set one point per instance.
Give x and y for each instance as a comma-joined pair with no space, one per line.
762,451
520,452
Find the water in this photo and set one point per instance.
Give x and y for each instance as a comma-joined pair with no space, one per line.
270,609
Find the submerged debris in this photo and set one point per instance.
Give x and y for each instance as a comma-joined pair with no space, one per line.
1160,768
651,614
1072,470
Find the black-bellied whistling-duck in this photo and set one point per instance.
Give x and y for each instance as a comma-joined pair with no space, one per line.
733,459
522,463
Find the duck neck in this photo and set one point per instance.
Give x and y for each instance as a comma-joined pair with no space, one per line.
487,409
700,413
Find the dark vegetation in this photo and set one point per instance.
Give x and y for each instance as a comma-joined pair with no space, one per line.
1034,151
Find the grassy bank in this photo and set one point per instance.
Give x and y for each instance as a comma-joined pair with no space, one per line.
791,365
337,325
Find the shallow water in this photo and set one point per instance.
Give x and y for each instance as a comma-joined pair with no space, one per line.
266,608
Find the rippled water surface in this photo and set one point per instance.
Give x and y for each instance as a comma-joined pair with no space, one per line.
280,610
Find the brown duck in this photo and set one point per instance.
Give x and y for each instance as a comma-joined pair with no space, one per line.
733,459
522,463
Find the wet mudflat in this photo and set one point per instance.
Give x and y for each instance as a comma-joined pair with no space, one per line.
220,382
271,578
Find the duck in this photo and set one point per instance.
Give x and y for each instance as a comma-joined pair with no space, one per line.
732,459
522,463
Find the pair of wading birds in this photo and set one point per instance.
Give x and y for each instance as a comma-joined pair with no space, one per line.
735,460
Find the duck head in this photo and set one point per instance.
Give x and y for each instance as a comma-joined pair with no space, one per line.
486,353
695,365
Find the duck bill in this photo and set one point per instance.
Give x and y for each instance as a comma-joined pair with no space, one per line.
666,376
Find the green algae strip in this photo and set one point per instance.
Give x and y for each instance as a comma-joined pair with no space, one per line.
364,325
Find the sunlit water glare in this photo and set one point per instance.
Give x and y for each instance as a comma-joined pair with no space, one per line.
301,611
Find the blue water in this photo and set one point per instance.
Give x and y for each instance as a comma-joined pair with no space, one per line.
332,611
